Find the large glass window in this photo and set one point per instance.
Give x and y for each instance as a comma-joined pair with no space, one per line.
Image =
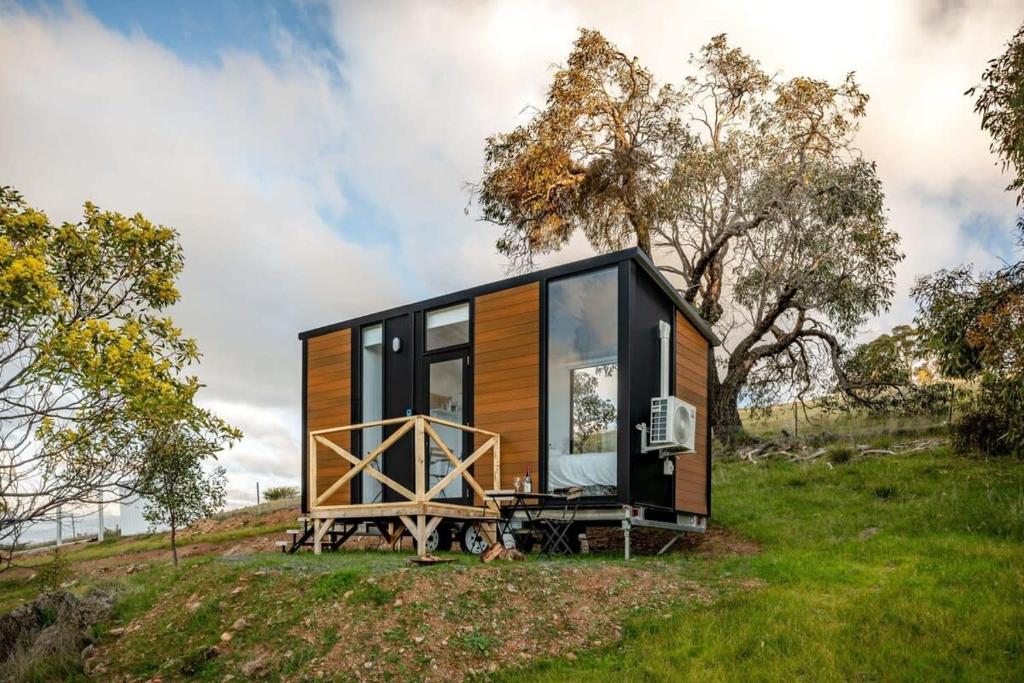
583,373
448,327
373,405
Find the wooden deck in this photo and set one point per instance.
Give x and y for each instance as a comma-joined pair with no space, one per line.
420,512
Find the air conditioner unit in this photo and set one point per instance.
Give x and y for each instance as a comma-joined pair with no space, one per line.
673,421
673,424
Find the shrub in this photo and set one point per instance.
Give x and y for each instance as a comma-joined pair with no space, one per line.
281,492
839,454
993,423
51,575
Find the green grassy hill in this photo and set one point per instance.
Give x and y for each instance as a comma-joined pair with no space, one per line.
879,568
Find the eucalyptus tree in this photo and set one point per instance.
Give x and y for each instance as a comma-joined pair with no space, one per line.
1000,102
974,322
745,187
88,363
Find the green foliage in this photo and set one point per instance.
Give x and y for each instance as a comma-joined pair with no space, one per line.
837,455
281,492
889,375
993,422
178,489
1001,105
52,575
974,324
90,361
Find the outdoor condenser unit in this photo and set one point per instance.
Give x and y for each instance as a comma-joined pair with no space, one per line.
673,422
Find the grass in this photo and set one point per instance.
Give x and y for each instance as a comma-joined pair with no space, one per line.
816,424
923,582
872,568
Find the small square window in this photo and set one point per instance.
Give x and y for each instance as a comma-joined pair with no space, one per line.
448,327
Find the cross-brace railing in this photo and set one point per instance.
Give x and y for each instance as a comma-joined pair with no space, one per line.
413,510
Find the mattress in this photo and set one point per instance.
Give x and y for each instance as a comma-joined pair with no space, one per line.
582,469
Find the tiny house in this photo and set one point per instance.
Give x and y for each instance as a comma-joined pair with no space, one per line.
594,377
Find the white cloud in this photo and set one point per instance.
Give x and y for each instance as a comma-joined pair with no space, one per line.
245,157
238,157
429,82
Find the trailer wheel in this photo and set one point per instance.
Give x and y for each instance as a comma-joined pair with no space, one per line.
471,540
440,539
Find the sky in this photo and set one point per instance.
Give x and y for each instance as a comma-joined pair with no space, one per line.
314,155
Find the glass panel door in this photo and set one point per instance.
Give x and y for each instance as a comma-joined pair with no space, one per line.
445,394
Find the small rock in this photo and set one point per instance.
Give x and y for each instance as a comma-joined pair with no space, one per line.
347,594
417,639
511,588
116,631
398,602
571,656
368,665
240,624
226,637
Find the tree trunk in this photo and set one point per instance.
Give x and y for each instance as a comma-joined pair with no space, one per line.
643,239
725,414
174,543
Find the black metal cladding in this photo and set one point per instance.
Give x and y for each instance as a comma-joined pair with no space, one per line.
648,307
399,398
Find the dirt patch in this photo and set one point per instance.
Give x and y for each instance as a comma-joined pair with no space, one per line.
234,521
716,542
452,624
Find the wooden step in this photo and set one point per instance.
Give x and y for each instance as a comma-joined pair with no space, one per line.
293,532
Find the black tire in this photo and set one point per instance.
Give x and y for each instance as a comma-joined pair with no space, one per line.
444,540
440,539
471,540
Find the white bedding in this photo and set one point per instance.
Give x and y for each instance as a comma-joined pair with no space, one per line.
582,469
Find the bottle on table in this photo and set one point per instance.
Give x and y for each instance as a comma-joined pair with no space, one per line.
527,482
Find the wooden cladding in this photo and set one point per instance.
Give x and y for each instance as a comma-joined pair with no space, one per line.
506,380
329,404
692,386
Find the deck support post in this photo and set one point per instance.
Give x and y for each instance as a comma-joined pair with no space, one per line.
626,526
421,535
320,527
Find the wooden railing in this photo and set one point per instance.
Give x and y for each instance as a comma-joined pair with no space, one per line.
421,426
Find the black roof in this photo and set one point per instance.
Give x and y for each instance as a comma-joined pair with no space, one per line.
557,271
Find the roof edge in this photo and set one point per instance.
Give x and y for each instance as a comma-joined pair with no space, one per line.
633,253
689,312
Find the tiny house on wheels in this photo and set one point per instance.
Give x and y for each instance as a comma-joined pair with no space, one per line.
588,382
